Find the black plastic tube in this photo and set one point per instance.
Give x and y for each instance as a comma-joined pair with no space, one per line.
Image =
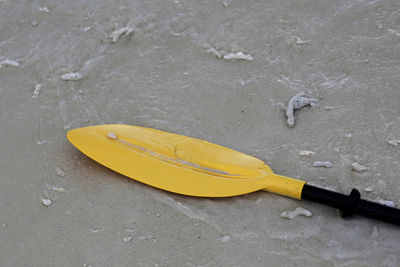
351,204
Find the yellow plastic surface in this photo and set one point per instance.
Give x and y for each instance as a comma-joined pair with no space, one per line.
178,163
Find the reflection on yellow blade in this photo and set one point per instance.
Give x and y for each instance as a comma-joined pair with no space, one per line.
178,163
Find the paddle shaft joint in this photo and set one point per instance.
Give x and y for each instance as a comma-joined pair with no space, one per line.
351,204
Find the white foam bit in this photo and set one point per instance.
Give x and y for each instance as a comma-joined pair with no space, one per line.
71,76
59,189
45,201
127,239
375,232
229,56
302,42
306,153
87,29
326,164
294,213
60,172
295,103
9,62
358,167
118,33
394,32
386,202
394,142
224,238
112,136
147,236
369,189
218,54
37,90
44,9
238,55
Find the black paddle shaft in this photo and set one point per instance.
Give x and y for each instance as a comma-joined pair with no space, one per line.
351,204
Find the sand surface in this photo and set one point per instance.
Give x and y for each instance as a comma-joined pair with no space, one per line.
221,71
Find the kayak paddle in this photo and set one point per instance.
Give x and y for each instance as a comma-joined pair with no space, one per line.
194,167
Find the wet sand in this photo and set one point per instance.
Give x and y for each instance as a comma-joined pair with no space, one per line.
223,72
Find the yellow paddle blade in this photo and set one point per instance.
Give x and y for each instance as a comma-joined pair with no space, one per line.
177,163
